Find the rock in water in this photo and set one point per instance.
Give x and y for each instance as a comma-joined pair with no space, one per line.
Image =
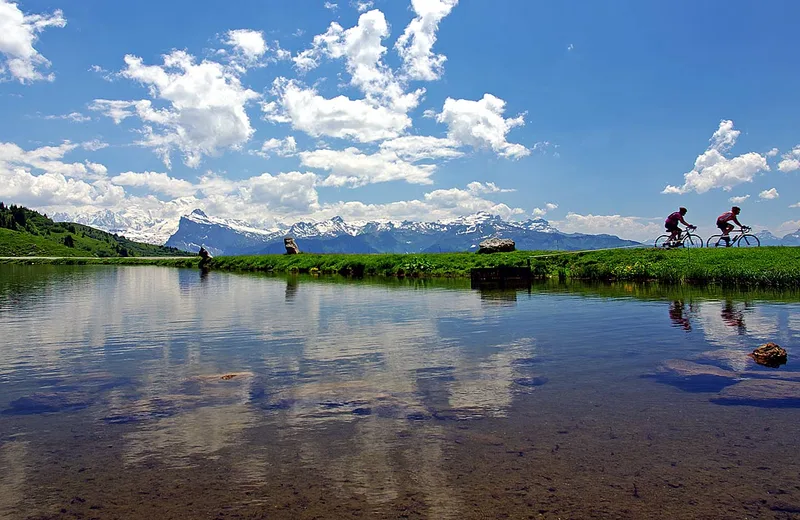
769,355
761,392
496,245
291,246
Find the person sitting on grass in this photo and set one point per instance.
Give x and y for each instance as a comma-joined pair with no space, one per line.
671,224
724,223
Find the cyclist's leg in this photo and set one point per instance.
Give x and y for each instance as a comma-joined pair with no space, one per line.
726,234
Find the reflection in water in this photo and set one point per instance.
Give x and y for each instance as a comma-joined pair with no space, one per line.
366,385
678,315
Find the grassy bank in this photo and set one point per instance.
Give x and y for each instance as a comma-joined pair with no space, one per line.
166,261
758,267
766,266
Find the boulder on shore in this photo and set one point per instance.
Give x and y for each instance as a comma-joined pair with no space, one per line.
769,355
496,245
291,246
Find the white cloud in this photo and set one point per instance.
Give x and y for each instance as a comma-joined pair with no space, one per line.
570,47
631,228
18,34
769,194
362,49
791,160
332,6
94,145
543,147
737,200
292,192
338,117
772,153
47,159
249,47
540,212
418,147
351,167
481,124
477,188
280,147
797,205
157,182
790,226
205,112
75,117
416,43
364,6
713,170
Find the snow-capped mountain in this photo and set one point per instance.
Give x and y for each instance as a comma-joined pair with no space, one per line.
140,226
335,235
792,239
767,239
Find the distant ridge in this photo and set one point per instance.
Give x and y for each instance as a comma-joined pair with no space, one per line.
335,235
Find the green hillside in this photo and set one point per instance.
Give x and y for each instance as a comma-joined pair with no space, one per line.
24,232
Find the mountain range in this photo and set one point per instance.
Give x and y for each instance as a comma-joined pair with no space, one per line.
335,235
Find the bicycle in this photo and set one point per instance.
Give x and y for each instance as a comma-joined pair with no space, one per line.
742,239
685,239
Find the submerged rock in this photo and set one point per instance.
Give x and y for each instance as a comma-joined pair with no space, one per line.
45,403
694,377
769,355
761,392
497,245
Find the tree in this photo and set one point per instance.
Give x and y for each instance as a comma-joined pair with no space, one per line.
69,241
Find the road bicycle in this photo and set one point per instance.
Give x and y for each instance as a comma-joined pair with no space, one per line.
739,238
685,239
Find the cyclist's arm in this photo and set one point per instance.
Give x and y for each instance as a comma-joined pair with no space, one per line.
736,220
685,223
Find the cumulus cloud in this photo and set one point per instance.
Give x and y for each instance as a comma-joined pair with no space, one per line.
291,192
157,182
631,228
713,170
47,159
769,194
340,117
737,200
364,6
280,147
477,188
481,124
351,167
790,226
540,212
416,43
791,160
797,205
18,34
772,153
205,110
362,49
420,147
249,47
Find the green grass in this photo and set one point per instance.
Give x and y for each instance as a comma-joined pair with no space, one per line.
758,267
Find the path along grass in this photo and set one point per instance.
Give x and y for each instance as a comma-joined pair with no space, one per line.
758,267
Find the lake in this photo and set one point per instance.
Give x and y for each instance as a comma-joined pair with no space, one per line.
146,392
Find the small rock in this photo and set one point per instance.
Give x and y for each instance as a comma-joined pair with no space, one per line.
497,245
291,246
769,355
228,376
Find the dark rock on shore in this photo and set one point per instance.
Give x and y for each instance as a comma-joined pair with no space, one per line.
291,246
497,245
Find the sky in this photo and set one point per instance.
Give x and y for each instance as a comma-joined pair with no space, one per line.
597,116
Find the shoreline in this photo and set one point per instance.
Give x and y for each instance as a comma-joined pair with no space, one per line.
757,267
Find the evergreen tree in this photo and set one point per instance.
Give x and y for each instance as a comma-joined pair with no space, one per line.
69,241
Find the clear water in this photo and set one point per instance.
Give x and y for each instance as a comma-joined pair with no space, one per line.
387,399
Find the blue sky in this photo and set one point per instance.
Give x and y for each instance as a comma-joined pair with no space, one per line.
601,117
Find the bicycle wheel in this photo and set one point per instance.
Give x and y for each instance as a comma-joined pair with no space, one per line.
662,241
715,241
692,240
748,241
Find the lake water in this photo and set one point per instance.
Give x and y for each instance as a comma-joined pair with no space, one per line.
389,399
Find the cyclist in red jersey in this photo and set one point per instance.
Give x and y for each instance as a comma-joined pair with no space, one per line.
724,223
671,224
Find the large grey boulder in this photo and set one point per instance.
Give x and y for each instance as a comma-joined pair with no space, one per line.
291,246
496,245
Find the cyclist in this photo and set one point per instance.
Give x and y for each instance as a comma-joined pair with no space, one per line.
724,223
671,224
